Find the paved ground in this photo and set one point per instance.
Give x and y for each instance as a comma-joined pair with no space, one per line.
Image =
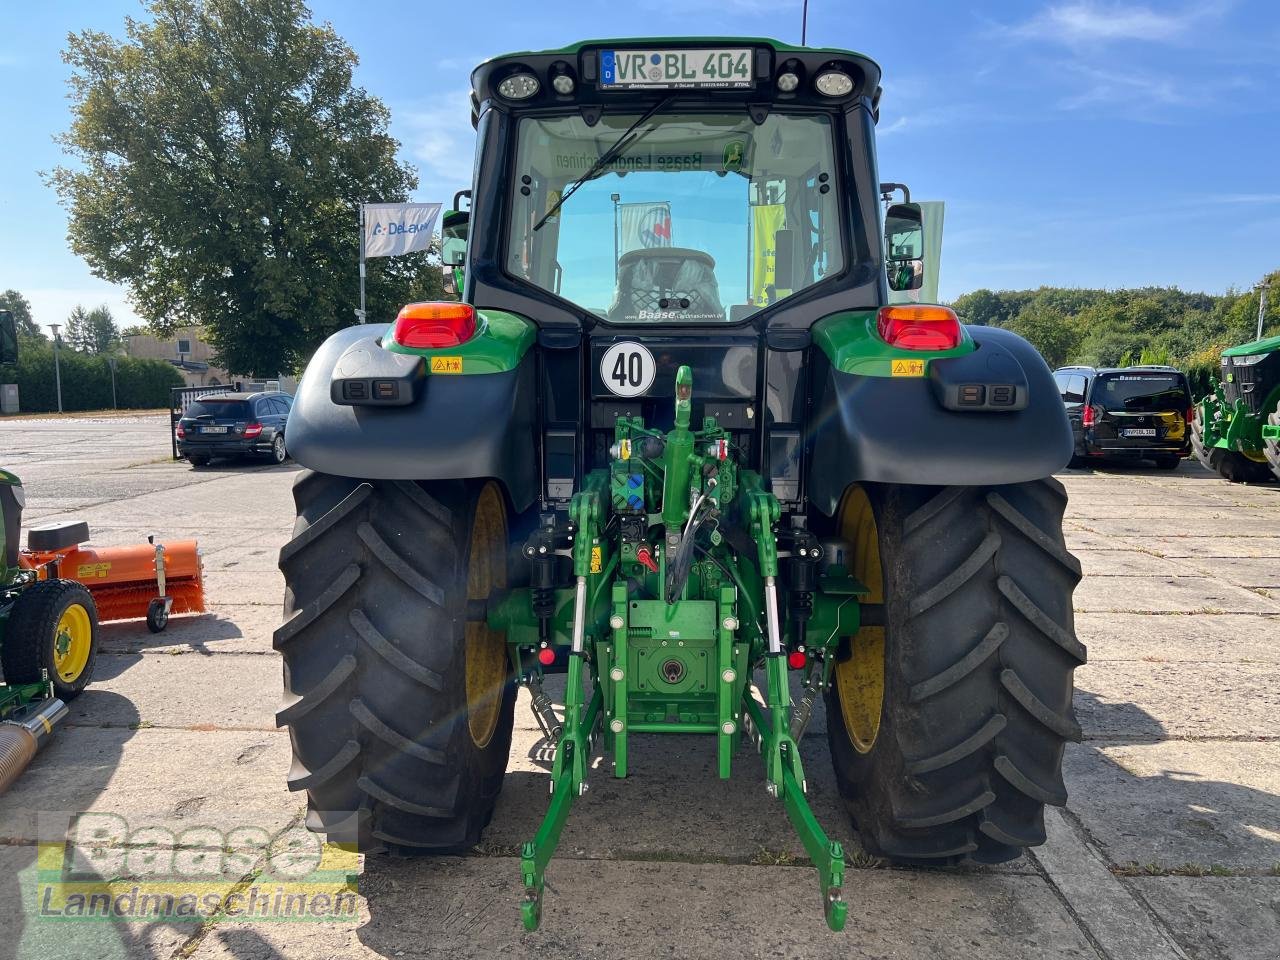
1170,845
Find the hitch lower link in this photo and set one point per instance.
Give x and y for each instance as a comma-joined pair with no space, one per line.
771,725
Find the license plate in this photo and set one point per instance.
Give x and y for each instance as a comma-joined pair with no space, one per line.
213,429
1139,432
627,69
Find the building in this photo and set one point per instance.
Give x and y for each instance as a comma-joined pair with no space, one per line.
193,358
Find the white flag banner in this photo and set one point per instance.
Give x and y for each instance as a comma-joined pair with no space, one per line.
645,225
391,229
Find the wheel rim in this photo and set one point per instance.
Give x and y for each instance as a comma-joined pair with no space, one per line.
486,649
72,642
860,679
278,448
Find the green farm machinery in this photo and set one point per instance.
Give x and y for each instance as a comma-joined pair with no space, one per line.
48,629
689,439
1237,428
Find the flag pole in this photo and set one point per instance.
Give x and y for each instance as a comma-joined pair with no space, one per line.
361,310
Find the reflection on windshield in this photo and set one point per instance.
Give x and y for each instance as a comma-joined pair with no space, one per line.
702,218
1143,394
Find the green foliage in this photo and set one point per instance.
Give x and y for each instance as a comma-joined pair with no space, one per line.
1157,325
86,381
20,307
221,153
92,331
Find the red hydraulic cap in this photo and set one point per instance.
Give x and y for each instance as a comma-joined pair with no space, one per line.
546,656
796,659
645,557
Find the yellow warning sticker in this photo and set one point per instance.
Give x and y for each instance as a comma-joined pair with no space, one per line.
92,571
907,368
446,364
597,560
624,449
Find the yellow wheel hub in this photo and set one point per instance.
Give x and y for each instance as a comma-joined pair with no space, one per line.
860,679
72,643
486,652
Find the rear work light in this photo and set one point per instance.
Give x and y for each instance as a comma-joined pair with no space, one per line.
911,326
430,325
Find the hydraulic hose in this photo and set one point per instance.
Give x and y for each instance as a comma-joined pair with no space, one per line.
21,738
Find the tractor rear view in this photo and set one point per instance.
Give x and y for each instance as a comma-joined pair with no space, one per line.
1237,430
682,441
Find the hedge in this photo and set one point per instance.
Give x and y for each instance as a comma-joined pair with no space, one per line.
86,381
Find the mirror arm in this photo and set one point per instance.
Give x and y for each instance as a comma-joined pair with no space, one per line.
886,191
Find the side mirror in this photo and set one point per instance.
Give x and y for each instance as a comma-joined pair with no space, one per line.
8,337
453,238
904,246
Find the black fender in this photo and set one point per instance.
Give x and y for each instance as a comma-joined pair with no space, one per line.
910,429
454,427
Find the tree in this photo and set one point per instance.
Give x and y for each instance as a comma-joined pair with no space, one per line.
93,331
222,153
20,306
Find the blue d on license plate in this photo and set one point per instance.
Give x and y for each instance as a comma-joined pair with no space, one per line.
626,69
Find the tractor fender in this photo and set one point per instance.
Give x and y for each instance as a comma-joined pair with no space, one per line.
453,427
908,430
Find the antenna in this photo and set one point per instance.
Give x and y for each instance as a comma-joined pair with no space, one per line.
804,24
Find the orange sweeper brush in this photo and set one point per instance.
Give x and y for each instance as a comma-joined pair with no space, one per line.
149,580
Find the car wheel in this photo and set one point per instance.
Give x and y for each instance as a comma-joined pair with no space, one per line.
1168,463
278,452
198,461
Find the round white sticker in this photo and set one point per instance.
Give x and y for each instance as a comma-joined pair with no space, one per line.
627,369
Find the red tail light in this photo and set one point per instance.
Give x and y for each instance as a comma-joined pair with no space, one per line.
252,430
182,434
912,326
1086,416
429,325
1191,414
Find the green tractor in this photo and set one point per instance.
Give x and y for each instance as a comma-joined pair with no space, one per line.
48,628
679,441
1237,427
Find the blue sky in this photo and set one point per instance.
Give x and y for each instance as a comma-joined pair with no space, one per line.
1076,143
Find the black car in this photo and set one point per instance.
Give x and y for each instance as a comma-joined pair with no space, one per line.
234,425
1128,413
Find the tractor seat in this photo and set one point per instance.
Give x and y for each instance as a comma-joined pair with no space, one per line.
57,536
666,283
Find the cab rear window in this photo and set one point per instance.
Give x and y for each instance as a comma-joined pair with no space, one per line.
219,409
1141,392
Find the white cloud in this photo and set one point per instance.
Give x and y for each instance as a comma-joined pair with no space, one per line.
1136,88
1090,22
439,140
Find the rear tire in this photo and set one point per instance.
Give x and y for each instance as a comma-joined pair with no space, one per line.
393,750
1237,468
52,627
1202,453
198,461
979,651
1168,463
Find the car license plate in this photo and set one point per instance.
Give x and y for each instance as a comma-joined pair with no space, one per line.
213,429
1139,432
627,69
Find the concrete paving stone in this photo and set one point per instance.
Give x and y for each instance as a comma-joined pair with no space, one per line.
1121,700
470,908
1207,548
1237,523
188,690
1217,918
1237,638
28,935
168,778
1118,563
245,629
1173,594
1251,572
1145,505
232,587
1077,538
260,554
1177,802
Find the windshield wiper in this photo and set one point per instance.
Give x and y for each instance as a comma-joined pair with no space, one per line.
627,139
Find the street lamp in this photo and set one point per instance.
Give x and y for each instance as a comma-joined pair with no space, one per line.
57,367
